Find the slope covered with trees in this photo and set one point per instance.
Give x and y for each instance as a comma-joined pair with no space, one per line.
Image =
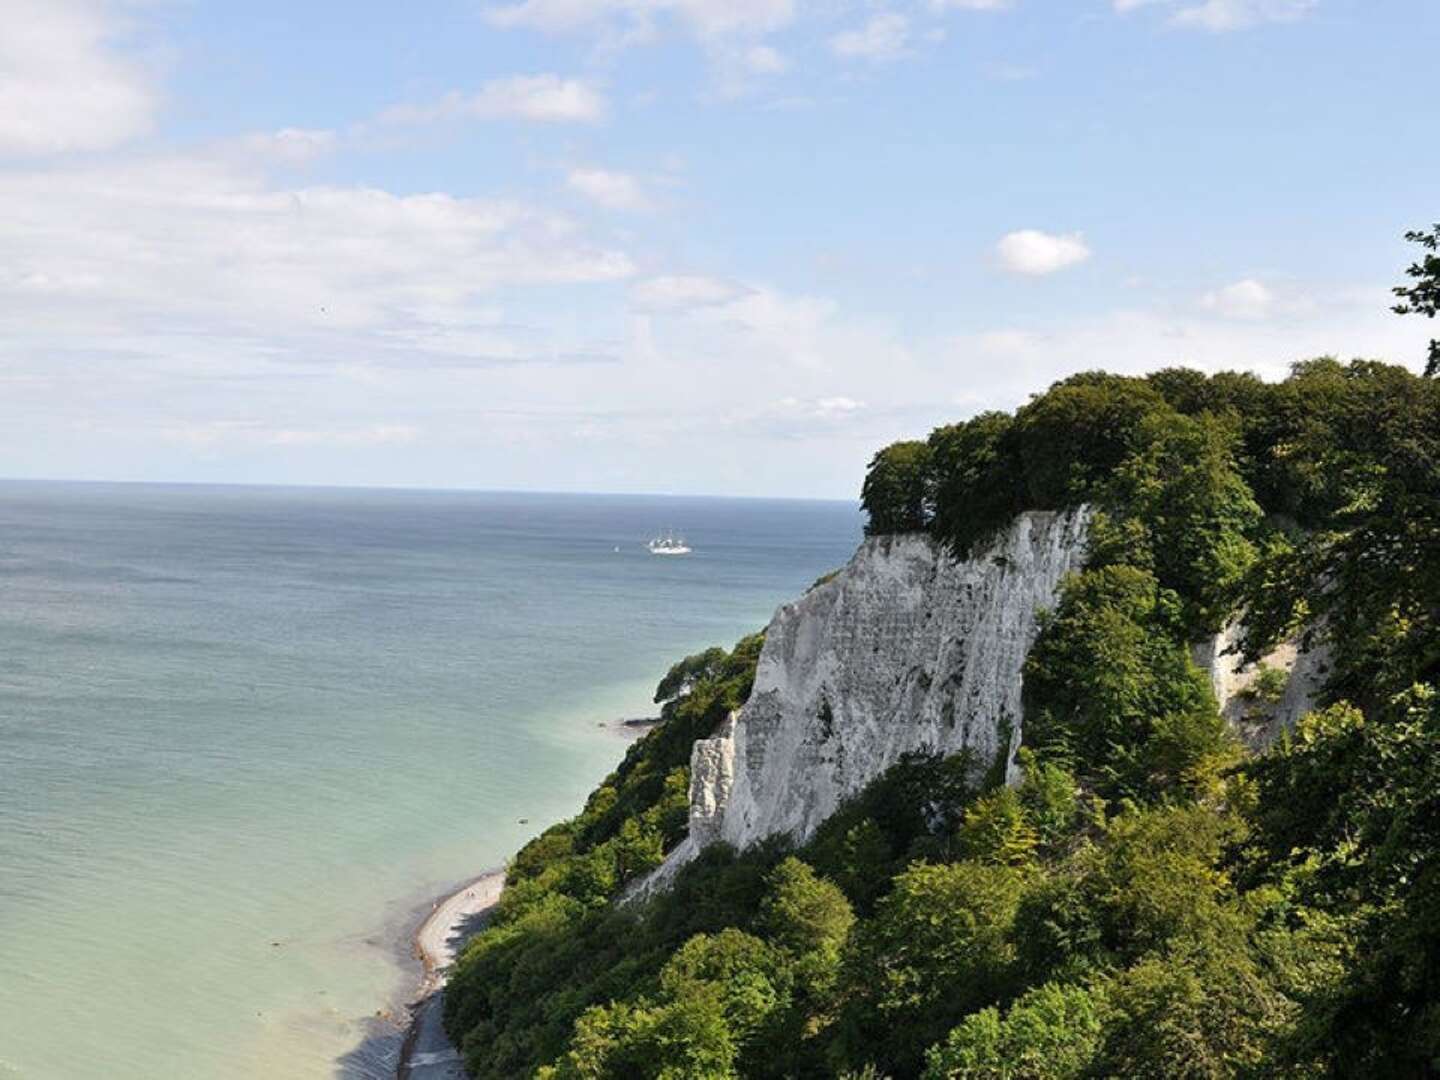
1148,901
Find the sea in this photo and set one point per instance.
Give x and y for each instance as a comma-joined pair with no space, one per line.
249,734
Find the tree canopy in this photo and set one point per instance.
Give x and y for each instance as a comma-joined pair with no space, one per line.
1146,901
1422,295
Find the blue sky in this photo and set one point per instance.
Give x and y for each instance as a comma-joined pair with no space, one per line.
701,246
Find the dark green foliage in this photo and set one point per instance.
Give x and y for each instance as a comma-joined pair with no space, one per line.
1050,798
997,830
1111,687
805,914
1422,296
1361,447
1194,1011
688,1036
1350,809
1142,904
1185,512
938,947
975,482
895,493
521,984
1052,1033
750,976
910,812
682,677
1075,435
1170,482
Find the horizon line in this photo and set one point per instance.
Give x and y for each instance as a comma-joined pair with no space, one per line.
419,489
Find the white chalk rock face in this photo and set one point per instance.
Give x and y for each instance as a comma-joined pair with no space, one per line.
1259,720
905,649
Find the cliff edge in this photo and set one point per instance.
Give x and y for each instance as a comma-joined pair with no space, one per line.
906,649
909,649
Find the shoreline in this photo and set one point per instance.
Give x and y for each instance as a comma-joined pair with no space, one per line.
427,1053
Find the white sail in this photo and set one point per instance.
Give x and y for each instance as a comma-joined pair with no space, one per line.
669,544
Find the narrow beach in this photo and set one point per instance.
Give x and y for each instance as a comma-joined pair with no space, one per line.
428,1053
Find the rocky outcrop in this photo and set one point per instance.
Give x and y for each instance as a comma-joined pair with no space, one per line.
906,649
910,649
1259,713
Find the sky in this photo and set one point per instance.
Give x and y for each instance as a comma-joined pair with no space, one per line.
687,246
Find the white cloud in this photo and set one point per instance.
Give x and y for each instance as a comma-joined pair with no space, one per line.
292,145
741,67
192,301
682,292
215,433
1247,299
729,32
793,329
375,435
543,98
1005,342
705,18
1010,72
836,406
612,190
1222,15
764,60
63,85
136,253
971,5
1030,251
1347,322
886,36
798,417
1238,14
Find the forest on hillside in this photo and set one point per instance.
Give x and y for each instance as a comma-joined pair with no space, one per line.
1150,900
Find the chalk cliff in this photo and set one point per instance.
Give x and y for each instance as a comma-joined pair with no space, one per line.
905,649
910,649
1256,720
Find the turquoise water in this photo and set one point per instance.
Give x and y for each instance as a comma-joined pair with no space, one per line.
247,734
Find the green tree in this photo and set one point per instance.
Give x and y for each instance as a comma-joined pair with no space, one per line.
1073,437
751,977
910,811
1050,796
1180,507
682,1040
809,920
997,829
805,914
1191,1012
1363,448
976,479
684,675
938,948
1050,1033
1422,297
1351,804
1111,690
896,490
857,855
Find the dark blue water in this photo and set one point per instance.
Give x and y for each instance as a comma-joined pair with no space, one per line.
243,731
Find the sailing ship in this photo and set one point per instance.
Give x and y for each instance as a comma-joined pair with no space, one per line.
669,544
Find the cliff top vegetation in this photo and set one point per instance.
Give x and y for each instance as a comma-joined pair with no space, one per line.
1148,901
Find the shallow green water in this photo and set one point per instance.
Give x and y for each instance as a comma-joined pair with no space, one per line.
247,734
